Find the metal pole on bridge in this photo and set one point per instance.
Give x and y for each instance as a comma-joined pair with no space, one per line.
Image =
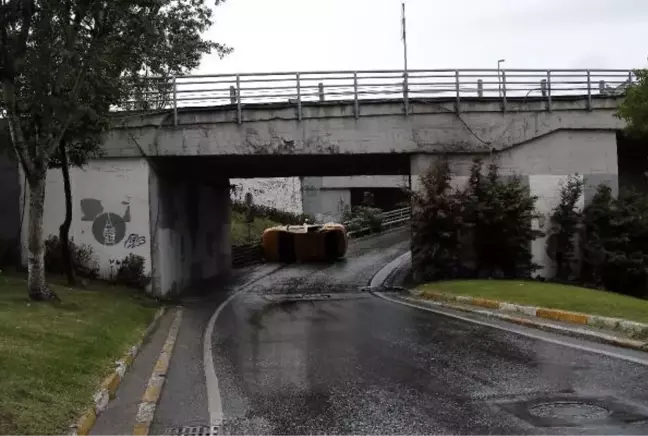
405,69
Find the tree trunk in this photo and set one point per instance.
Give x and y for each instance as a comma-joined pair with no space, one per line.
64,230
36,285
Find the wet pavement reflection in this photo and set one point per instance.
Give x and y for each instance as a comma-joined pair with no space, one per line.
307,351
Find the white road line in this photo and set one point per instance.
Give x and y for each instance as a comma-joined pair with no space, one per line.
215,405
213,393
519,332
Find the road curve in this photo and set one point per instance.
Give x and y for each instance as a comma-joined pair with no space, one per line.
306,351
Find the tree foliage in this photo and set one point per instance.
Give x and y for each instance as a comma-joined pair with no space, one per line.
634,108
482,230
500,212
615,242
437,222
65,64
565,221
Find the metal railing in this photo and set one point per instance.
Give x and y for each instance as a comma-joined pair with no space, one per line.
297,88
389,219
246,255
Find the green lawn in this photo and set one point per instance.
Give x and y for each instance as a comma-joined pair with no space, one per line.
53,356
549,295
239,228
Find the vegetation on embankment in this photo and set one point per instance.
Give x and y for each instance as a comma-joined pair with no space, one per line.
239,228
264,217
53,356
551,295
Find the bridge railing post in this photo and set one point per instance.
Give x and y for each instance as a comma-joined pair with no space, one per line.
356,104
457,88
602,87
232,95
543,88
589,90
320,89
503,90
406,92
175,102
480,88
299,103
549,91
239,112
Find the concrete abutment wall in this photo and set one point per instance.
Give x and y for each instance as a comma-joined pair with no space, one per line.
124,206
544,164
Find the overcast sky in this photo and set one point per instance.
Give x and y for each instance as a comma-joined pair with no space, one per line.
291,35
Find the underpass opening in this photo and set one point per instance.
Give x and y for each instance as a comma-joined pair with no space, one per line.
192,202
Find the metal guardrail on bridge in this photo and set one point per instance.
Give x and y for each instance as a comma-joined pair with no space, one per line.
298,88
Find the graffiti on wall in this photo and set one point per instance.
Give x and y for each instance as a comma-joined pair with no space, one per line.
134,240
108,228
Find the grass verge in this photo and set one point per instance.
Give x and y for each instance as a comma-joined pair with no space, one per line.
239,228
53,356
551,295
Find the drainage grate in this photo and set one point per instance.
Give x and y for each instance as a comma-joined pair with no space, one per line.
192,430
573,411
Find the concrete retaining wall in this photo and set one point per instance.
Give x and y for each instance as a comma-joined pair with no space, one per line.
544,164
110,210
283,193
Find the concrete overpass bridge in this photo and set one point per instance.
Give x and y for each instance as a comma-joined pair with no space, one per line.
161,188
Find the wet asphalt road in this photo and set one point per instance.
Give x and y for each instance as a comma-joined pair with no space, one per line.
305,351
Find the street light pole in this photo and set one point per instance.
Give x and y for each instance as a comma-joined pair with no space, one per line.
405,71
499,80
404,24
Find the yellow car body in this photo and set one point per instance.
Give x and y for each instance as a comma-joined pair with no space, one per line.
305,243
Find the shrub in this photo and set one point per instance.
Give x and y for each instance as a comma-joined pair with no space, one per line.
436,226
84,262
363,217
565,221
499,211
131,272
279,216
615,242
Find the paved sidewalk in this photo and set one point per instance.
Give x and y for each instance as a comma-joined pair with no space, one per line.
119,416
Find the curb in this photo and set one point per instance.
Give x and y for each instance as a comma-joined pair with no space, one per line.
485,307
575,332
110,384
146,410
634,330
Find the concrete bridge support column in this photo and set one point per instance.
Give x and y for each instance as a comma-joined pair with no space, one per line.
190,242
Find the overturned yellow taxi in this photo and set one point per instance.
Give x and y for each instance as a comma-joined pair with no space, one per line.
305,243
